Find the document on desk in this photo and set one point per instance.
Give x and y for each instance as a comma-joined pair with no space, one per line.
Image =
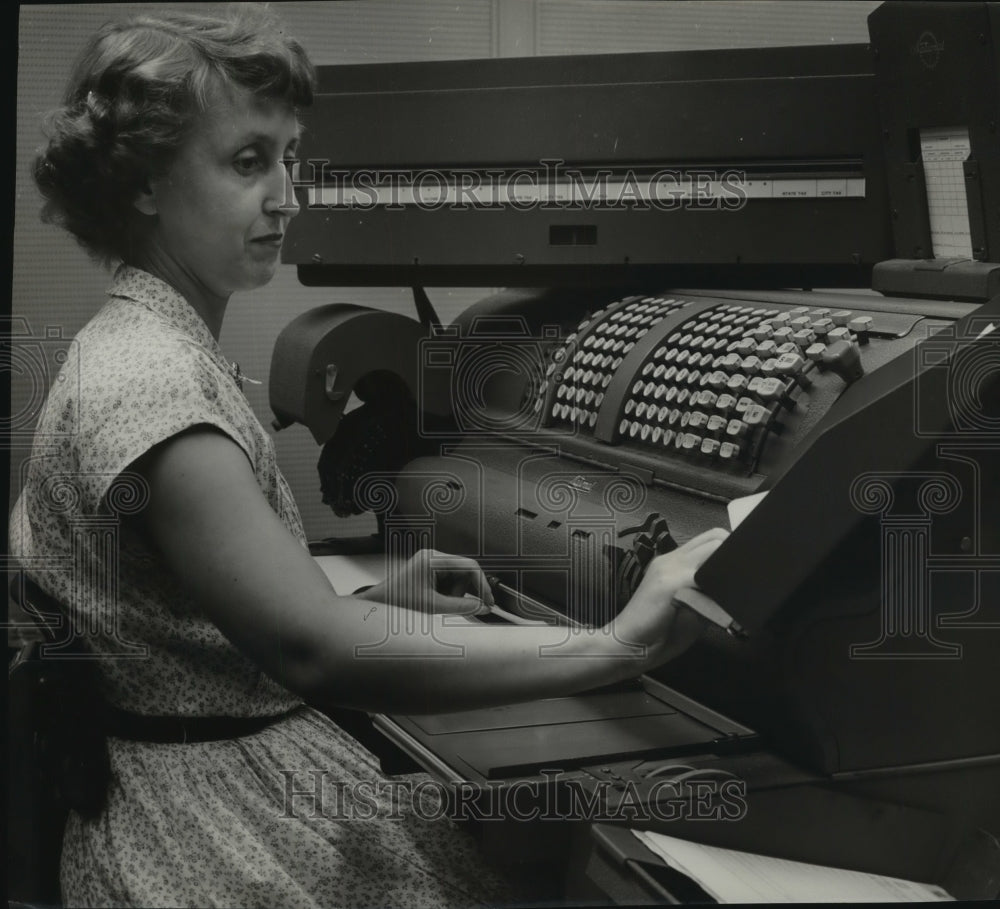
739,508
349,573
729,876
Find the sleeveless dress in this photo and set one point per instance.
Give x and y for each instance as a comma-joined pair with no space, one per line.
296,815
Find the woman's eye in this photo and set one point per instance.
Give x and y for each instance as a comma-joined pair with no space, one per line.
247,164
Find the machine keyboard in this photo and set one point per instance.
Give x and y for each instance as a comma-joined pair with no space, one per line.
703,380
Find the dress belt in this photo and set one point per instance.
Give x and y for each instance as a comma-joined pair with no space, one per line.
137,727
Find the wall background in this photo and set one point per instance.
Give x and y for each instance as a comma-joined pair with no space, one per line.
55,285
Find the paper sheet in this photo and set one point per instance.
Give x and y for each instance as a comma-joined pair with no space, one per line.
740,508
942,151
348,573
729,876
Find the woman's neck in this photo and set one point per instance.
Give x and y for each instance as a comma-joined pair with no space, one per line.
209,305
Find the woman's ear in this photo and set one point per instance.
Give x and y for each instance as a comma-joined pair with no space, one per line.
145,200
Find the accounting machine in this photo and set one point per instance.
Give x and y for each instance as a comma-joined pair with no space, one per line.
662,360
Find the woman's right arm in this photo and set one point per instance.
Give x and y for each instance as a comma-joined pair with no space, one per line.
255,581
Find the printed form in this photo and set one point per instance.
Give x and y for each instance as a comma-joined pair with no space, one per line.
943,151
729,876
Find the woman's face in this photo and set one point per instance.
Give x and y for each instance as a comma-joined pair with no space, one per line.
222,209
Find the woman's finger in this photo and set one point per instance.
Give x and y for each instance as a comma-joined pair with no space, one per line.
461,575
699,554
713,534
458,605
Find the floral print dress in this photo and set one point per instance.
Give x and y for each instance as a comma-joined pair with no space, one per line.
296,815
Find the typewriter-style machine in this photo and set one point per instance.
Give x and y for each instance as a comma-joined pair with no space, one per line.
661,223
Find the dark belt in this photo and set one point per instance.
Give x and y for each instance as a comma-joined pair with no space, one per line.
184,729
75,753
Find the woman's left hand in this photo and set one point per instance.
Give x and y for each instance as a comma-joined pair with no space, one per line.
434,581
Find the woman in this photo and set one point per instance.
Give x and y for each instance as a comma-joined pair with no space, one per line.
155,512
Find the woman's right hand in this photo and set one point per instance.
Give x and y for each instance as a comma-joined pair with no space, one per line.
652,618
434,581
